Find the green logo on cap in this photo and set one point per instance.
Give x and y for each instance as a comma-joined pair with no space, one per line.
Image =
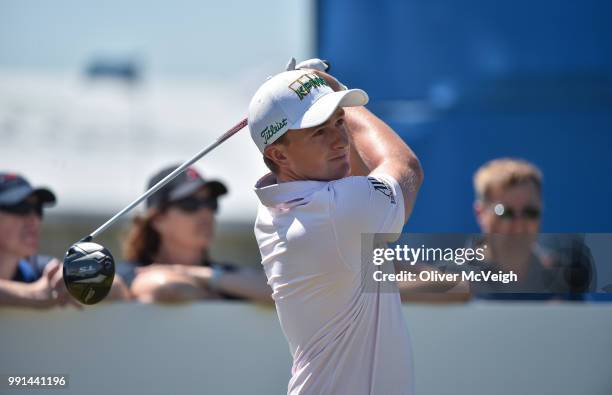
303,85
271,130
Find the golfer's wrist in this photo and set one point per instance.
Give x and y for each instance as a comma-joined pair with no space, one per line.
331,81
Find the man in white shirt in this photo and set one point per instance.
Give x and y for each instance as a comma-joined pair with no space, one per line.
337,172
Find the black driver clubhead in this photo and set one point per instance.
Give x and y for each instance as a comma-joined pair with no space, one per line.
89,270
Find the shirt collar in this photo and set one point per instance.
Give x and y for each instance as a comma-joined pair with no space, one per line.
271,193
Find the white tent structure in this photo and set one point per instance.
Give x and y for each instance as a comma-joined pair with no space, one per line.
96,143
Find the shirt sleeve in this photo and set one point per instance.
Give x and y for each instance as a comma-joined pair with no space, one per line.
369,204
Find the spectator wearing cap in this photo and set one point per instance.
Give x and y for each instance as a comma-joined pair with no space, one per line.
28,279
167,248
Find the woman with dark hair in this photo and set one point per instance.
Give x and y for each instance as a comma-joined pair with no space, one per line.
167,247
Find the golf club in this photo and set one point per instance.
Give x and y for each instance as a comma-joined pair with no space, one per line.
89,268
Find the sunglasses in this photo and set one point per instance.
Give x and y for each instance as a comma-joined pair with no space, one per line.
23,209
508,213
192,204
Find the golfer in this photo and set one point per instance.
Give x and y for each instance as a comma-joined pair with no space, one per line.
337,171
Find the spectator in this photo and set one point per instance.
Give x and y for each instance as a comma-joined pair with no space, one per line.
26,278
508,209
167,249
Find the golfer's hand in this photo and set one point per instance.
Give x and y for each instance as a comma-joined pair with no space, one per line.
318,66
314,64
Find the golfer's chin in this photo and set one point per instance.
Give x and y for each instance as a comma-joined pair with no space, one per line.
339,169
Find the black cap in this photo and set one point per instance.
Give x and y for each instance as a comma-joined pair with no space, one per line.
181,186
14,189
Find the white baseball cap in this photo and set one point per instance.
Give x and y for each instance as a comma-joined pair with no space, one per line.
295,99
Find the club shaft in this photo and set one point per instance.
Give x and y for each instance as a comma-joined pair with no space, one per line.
240,125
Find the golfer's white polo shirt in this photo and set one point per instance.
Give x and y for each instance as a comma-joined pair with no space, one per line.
343,340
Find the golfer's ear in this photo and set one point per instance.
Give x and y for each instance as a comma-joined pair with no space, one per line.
276,153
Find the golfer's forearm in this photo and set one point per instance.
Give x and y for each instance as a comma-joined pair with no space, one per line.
358,167
376,143
381,149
